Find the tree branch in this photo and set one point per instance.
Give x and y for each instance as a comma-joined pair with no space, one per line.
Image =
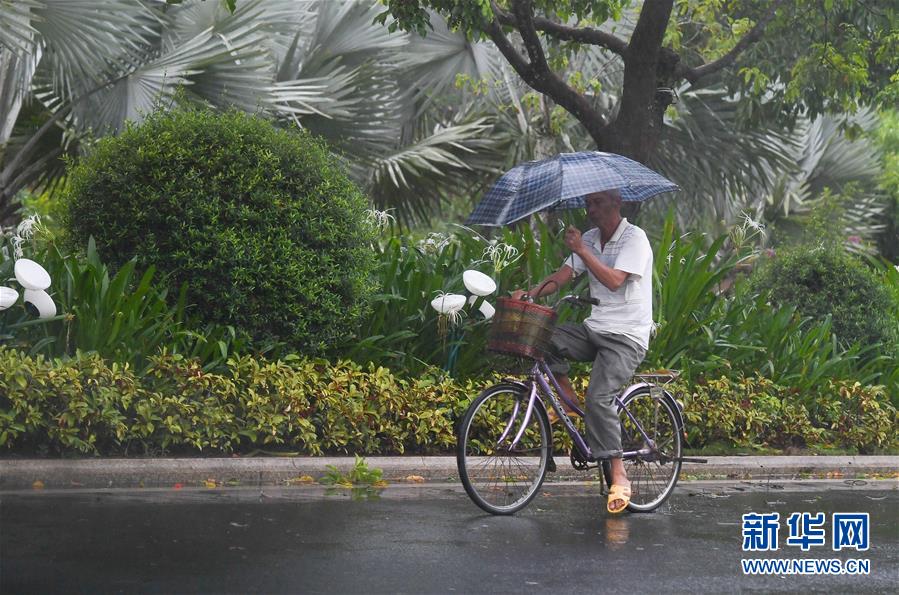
524,17
521,66
537,73
694,74
587,35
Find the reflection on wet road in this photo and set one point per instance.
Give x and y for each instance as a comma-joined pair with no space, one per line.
420,539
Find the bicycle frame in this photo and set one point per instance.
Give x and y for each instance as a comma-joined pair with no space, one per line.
538,374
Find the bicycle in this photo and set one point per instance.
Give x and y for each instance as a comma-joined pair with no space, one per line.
504,441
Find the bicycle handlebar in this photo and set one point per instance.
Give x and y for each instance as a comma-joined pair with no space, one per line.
578,300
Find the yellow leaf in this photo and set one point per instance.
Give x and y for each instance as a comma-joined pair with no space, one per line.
210,483
38,485
380,484
415,478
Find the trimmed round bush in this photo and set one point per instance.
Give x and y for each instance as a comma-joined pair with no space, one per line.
823,281
262,225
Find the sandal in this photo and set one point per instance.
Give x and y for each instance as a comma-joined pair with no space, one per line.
618,492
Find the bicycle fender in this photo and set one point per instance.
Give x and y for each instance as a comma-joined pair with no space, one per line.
678,408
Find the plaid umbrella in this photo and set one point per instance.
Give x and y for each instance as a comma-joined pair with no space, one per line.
562,182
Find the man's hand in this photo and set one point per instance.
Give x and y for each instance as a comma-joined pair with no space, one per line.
573,240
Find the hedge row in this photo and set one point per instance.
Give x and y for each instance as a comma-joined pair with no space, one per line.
755,412
312,406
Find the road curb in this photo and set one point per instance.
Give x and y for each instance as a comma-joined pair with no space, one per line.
22,474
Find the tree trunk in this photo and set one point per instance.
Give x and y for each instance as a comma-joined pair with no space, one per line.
635,132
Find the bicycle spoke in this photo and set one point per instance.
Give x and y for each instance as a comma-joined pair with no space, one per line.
498,478
652,479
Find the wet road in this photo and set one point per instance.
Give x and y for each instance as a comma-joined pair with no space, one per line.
422,539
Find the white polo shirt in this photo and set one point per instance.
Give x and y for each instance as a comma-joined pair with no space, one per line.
628,310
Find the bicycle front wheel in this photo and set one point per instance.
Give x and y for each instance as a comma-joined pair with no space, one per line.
499,476
654,472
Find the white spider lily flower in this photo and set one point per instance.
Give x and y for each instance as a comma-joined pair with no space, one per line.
750,223
501,255
25,231
28,225
434,243
380,220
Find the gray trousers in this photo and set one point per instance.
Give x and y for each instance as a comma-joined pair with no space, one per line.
615,359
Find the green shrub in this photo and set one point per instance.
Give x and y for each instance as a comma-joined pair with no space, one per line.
261,224
755,412
314,407
825,281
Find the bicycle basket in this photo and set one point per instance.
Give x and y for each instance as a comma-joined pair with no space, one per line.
521,328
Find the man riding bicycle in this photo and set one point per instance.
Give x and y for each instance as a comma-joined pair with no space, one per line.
618,258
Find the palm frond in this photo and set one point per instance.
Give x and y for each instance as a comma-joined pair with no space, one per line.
119,30
722,169
431,64
18,34
16,73
330,94
415,178
345,29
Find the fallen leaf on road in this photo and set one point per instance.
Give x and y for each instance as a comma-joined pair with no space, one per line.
38,485
210,483
415,478
380,484
302,479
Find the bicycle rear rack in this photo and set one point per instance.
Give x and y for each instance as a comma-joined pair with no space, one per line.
662,377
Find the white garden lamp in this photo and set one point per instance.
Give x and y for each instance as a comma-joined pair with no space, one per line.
8,297
39,301
478,283
486,308
448,303
31,275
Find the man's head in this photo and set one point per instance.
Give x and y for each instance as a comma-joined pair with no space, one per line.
604,208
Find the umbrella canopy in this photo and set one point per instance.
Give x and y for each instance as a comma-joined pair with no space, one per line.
562,182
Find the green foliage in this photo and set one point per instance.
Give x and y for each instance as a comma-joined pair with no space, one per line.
261,225
360,474
88,405
687,274
712,321
753,412
401,330
887,137
704,327
122,316
824,282
825,57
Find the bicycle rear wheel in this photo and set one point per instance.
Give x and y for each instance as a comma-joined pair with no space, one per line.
498,477
653,476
